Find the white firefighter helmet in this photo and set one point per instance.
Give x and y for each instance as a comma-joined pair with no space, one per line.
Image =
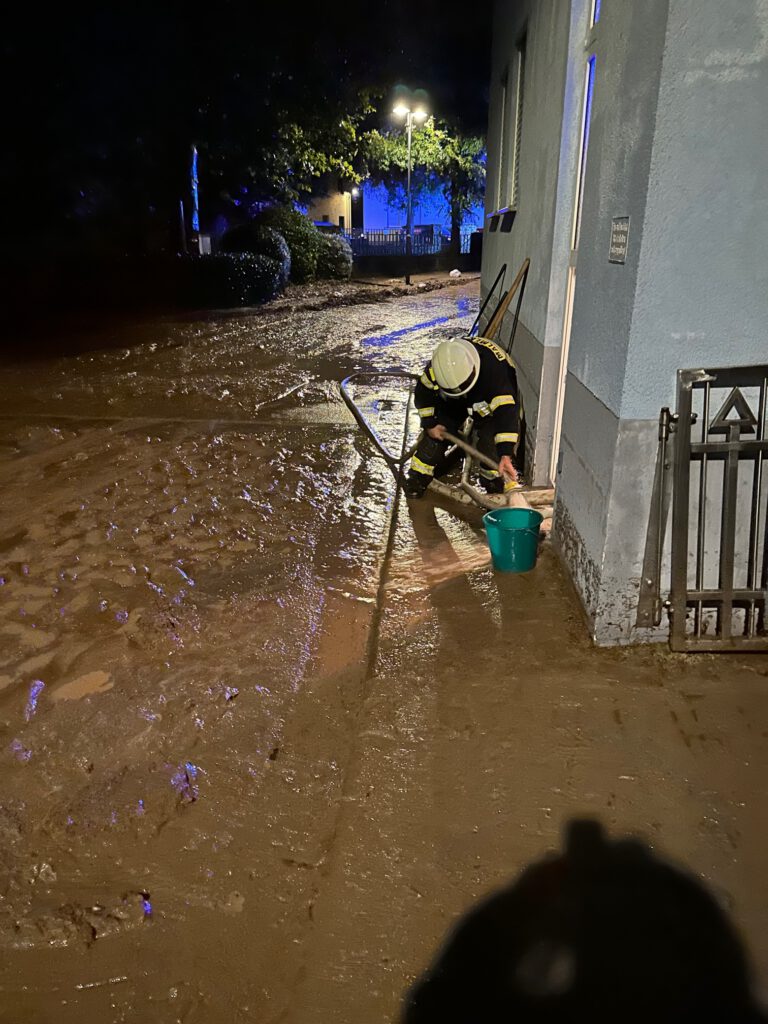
456,365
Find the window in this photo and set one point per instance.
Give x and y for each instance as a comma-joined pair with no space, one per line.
588,90
501,185
507,220
519,98
510,134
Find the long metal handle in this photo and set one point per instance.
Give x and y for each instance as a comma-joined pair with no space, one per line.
474,452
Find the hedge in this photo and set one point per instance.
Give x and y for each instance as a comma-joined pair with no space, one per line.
261,241
302,237
228,280
335,257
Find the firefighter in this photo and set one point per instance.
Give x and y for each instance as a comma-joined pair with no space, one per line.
467,376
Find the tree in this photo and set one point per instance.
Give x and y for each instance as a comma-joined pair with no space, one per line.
284,157
440,155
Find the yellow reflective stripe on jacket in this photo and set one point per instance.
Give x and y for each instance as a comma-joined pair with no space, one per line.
501,438
481,408
428,383
426,413
488,474
501,400
497,350
417,466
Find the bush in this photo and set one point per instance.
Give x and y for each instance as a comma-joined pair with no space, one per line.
335,257
302,237
262,241
226,280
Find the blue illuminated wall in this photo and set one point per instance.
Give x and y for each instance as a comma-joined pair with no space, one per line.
378,214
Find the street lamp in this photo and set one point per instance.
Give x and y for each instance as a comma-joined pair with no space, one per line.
419,114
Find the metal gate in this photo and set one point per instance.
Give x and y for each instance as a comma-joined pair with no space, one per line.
719,551
711,456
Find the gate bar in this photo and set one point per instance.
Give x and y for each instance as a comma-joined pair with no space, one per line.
700,549
680,507
754,519
728,533
649,604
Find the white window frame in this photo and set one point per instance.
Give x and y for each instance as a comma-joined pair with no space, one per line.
514,185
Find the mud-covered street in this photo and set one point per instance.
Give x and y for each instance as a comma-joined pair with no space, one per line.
260,744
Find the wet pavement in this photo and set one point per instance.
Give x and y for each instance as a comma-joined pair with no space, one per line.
265,732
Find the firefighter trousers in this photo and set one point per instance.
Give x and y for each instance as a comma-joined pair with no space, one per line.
431,459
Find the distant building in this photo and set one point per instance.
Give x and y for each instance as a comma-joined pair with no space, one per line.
379,213
628,158
333,209
369,207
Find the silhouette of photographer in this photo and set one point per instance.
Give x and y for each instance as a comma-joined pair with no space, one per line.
604,932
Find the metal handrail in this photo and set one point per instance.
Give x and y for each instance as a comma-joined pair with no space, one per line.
499,277
495,322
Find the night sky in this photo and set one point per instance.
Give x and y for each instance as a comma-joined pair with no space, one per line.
109,97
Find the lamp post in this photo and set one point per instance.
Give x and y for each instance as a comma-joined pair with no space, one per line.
401,110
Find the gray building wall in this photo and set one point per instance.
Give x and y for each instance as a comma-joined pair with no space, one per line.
702,290
628,47
547,163
694,290
679,143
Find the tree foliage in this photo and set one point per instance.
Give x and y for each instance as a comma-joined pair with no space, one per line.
285,156
450,159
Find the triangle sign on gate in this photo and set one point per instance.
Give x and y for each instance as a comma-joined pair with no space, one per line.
744,418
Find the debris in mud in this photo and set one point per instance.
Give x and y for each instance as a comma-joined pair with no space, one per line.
74,923
35,690
44,873
184,781
234,903
19,751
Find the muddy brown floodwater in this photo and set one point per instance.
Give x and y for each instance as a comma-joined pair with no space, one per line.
247,775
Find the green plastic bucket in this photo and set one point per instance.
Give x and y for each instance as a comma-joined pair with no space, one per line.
513,537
